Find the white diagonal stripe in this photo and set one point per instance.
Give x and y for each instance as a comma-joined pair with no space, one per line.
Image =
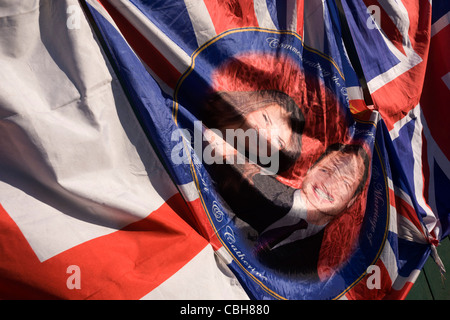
201,21
263,15
440,24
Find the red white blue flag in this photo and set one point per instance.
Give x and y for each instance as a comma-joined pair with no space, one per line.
222,149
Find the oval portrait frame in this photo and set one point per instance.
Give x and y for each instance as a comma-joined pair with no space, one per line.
260,282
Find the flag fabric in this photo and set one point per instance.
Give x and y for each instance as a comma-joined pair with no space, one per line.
116,183
87,209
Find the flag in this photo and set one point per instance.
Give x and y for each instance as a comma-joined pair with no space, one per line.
87,209
118,180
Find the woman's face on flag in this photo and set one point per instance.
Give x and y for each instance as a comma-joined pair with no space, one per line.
272,124
330,185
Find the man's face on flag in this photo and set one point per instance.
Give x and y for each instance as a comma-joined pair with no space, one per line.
330,185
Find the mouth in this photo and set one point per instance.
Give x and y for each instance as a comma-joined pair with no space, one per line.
322,194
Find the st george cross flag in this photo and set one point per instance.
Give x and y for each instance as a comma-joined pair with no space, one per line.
206,149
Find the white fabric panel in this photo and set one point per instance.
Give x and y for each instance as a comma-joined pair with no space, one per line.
263,15
189,191
201,21
400,281
215,283
74,163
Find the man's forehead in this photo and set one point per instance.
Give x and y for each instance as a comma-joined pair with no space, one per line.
340,156
344,161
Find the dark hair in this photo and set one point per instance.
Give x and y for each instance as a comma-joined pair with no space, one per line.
350,149
224,109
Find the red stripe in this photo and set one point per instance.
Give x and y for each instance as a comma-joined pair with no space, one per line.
300,17
200,221
419,13
400,294
425,169
436,94
392,197
144,48
100,2
126,264
404,209
227,15
358,106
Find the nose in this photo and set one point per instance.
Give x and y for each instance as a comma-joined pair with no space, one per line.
327,178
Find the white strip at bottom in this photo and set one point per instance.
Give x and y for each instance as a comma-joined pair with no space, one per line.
205,277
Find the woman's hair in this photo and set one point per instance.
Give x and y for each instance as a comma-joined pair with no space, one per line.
229,109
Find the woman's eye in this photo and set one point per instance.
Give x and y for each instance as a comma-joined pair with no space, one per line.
266,118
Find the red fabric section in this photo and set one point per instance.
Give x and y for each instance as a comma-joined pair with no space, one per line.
400,294
436,94
300,17
227,15
367,288
126,264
